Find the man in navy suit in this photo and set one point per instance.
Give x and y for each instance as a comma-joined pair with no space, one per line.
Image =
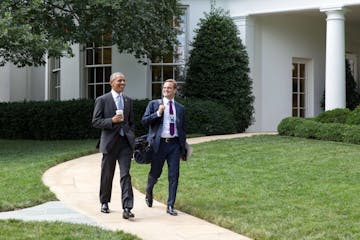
113,114
166,122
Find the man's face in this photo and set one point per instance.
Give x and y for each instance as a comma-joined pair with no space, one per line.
118,83
168,90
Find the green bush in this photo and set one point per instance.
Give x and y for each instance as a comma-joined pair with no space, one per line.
308,128
208,117
338,115
52,120
218,68
352,134
287,126
354,117
331,132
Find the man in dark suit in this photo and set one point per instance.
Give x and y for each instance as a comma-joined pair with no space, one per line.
166,122
113,114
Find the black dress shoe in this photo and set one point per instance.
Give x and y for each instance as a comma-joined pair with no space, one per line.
105,208
149,200
127,214
171,210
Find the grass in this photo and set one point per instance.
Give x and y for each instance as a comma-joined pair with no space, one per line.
15,230
22,163
271,187
265,187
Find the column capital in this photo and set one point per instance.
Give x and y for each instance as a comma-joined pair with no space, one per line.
334,12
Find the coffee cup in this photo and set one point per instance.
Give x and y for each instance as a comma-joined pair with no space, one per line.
119,112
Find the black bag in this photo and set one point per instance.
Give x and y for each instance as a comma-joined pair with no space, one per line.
142,150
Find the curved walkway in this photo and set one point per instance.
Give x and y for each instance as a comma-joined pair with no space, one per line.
76,184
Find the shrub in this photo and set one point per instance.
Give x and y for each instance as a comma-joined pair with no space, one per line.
354,117
208,117
50,120
218,67
287,126
338,115
331,132
307,129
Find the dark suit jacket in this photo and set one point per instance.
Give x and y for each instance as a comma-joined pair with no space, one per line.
155,124
104,110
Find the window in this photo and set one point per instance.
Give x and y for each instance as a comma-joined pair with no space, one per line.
98,60
171,66
298,89
55,78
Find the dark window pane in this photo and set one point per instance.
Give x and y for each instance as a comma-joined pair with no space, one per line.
91,78
91,91
295,69
302,85
302,100
302,70
156,74
98,56
89,57
107,74
294,112
107,55
99,90
295,100
156,90
302,113
295,85
168,72
99,75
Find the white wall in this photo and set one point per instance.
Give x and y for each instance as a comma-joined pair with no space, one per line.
281,39
70,75
246,7
37,87
135,74
5,83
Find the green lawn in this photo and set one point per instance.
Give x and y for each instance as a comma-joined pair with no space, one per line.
265,187
271,187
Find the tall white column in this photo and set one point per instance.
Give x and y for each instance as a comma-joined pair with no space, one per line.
335,83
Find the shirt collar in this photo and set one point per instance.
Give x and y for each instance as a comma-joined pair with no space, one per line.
166,101
115,94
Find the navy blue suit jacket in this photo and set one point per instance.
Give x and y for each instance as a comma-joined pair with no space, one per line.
151,120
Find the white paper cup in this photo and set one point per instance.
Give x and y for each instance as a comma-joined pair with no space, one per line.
119,112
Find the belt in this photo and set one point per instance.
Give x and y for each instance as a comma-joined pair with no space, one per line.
167,140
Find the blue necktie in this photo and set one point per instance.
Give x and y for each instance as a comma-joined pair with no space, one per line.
119,103
120,106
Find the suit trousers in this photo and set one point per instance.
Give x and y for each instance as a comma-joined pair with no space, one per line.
120,151
169,151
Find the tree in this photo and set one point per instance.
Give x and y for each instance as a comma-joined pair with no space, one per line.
31,29
218,67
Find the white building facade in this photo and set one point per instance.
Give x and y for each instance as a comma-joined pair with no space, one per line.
297,51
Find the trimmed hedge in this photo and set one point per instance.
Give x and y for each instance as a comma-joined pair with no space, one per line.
339,115
55,120
308,128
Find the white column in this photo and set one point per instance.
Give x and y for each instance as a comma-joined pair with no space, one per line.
335,84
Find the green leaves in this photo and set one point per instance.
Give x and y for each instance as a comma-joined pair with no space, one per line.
218,67
30,29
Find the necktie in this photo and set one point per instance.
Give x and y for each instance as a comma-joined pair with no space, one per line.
119,103
172,124
120,106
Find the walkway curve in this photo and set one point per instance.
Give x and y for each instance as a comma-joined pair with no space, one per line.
76,184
